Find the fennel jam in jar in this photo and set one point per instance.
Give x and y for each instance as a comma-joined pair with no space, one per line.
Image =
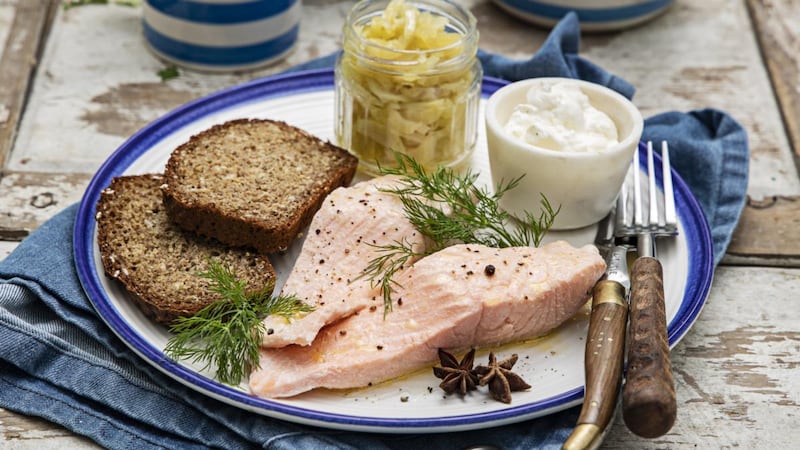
408,81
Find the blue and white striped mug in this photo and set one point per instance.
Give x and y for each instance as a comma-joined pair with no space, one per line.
221,35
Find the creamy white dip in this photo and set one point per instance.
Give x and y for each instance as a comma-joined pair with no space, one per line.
560,117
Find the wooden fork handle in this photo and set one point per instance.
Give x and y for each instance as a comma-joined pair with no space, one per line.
649,406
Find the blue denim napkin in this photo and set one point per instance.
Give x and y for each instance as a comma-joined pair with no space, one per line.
59,361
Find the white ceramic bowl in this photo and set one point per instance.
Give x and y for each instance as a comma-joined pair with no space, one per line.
585,184
594,15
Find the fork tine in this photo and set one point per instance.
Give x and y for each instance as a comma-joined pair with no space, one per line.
637,192
653,222
624,221
670,215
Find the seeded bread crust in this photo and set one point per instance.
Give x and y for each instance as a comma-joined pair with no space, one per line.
253,183
158,262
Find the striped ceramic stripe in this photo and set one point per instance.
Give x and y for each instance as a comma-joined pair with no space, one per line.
221,57
221,11
221,35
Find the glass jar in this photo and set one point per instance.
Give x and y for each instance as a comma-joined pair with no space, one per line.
420,97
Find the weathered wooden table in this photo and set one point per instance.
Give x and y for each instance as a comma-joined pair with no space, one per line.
74,84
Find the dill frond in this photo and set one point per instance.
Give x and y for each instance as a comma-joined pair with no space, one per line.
227,333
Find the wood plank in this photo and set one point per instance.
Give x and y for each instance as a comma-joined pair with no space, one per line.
736,369
777,23
29,199
98,84
19,58
768,233
6,247
32,433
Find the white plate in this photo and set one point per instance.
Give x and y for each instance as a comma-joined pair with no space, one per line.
553,365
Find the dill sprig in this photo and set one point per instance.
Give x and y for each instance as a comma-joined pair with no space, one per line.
381,269
450,208
227,333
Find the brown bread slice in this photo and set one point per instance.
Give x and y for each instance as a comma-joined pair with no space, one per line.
158,262
253,183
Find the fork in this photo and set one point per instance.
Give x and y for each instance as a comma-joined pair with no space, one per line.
662,219
649,405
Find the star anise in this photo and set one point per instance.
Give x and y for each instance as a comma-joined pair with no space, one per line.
456,375
501,380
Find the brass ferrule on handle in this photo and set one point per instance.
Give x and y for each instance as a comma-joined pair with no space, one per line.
584,436
608,292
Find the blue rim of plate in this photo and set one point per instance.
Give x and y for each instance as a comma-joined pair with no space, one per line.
697,285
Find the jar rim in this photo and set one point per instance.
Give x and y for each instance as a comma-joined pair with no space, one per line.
468,31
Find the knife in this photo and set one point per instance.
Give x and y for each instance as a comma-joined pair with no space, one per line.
605,342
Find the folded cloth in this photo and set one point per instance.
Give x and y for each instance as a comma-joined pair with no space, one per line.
59,361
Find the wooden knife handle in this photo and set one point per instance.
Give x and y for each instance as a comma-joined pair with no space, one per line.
649,406
605,348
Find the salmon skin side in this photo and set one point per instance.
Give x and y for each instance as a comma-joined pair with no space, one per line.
340,243
462,296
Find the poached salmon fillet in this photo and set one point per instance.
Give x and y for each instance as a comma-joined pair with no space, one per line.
341,241
462,296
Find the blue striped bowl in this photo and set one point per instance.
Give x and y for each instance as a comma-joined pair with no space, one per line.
221,35
594,15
